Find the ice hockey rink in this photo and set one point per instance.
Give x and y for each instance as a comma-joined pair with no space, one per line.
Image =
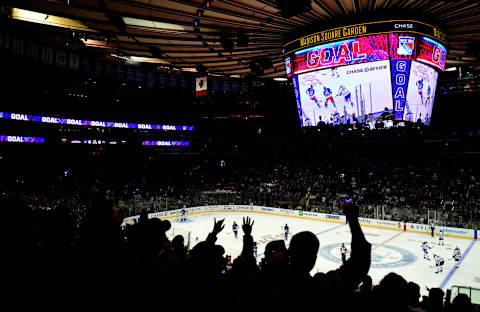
392,250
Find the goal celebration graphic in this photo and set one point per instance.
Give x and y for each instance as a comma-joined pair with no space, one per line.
366,73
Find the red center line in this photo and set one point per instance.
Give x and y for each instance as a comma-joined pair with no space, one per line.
391,238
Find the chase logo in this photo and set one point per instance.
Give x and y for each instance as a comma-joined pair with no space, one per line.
406,46
333,217
385,256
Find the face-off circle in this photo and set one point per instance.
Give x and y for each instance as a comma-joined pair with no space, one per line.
384,256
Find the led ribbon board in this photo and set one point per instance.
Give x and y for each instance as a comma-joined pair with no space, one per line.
166,143
89,123
365,29
299,103
432,53
21,139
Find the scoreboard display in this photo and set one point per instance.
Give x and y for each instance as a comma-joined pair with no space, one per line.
365,72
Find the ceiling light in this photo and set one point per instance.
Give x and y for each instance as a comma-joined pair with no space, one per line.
451,69
46,19
152,25
140,59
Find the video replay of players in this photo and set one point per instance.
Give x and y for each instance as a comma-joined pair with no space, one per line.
420,93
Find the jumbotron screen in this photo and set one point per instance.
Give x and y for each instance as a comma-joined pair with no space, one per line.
380,75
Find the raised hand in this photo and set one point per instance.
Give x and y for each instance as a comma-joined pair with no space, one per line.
218,226
247,226
350,210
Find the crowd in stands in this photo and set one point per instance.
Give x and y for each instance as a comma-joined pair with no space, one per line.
65,242
412,190
404,187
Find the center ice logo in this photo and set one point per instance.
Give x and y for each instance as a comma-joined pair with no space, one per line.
384,256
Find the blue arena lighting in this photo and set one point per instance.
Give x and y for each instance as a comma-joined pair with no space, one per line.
90,123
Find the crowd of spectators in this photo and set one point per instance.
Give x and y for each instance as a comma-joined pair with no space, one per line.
412,190
53,264
443,188
64,240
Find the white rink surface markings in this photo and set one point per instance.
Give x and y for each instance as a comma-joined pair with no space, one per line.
269,227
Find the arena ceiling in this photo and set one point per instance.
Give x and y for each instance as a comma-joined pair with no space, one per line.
187,33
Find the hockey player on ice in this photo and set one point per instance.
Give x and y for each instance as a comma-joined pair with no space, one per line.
438,263
342,91
427,101
425,249
286,228
334,73
343,252
327,92
306,120
441,235
311,94
457,255
235,229
255,249
409,114
427,119
335,118
420,89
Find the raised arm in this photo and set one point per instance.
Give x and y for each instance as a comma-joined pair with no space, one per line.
351,274
217,228
247,250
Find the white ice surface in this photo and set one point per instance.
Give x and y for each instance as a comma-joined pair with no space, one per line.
388,247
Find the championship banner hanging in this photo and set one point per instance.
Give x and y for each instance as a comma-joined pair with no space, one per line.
201,86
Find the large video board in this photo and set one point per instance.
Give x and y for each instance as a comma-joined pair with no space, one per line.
366,78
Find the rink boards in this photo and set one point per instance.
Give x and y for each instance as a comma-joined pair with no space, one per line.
309,215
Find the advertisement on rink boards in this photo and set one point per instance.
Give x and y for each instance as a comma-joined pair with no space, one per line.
241,208
386,224
382,224
449,231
